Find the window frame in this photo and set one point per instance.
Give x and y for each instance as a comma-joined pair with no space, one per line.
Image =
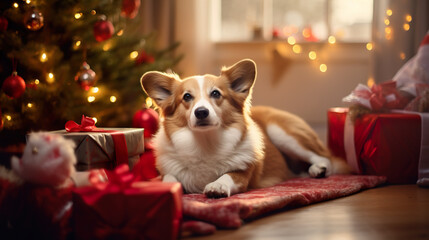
267,26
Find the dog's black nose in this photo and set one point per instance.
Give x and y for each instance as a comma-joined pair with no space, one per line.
201,112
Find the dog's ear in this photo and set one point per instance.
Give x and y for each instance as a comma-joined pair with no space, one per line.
160,87
241,76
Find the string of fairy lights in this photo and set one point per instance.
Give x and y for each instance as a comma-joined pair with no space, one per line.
388,35
313,54
94,92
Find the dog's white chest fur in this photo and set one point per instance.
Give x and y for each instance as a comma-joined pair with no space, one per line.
198,158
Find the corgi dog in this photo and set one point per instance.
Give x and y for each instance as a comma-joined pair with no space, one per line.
212,141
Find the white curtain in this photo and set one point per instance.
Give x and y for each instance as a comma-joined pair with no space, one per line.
391,52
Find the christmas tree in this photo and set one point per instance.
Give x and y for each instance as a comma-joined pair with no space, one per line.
61,59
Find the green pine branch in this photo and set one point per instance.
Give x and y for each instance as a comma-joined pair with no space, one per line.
66,42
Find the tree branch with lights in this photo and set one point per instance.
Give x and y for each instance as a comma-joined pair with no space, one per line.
62,58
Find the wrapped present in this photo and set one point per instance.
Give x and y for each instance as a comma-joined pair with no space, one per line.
103,148
394,144
125,209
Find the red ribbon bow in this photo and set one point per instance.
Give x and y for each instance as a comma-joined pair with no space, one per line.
392,99
379,94
116,181
383,95
121,177
87,124
102,194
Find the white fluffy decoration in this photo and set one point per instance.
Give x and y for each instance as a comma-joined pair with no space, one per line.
48,159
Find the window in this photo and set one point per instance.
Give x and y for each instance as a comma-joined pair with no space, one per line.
296,20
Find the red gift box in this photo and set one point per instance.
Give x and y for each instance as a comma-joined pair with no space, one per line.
124,209
389,144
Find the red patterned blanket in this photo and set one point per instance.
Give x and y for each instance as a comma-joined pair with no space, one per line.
202,215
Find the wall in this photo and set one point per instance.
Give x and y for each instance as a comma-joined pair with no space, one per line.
285,80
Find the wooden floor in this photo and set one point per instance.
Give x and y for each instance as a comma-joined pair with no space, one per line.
390,212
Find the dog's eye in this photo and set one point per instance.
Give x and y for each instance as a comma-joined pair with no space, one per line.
215,94
187,97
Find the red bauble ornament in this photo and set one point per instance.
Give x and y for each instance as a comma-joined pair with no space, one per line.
103,30
3,23
276,33
143,57
146,118
130,8
33,19
14,85
309,35
86,77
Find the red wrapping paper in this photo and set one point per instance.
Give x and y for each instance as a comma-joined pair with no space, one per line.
385,144
336,122
145,169
124,209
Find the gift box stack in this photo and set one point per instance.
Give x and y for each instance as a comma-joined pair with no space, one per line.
114,203
392,137
115,207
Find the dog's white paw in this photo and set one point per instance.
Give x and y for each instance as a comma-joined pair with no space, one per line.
222,187
217,189
321,168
